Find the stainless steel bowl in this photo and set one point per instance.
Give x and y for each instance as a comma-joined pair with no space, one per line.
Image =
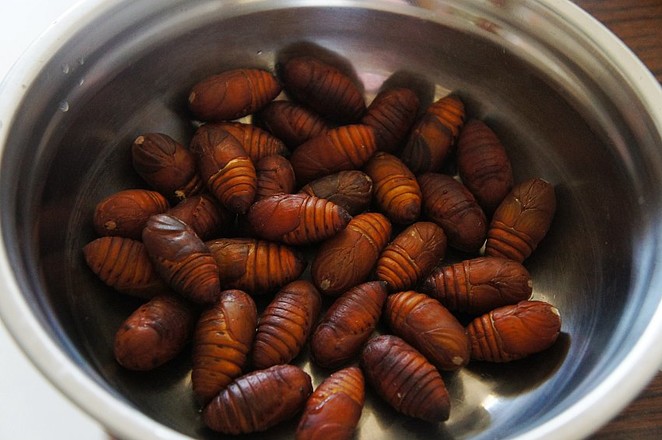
571,103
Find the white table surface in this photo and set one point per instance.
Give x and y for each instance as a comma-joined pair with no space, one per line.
30,407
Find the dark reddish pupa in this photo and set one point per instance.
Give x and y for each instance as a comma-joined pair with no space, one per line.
274,176
284,326
259,400
405,379
479,285
154,334
514,331
411,255
296,219
255,266
345,260
225,167
232,94
334,409
483,164
204,214
348,147
223,338
347,324
522,220
433,135
257,143
125,213
294,124
396,191
166,165
451,205
182,258
430,328
123,264
323,88
392,114
350,189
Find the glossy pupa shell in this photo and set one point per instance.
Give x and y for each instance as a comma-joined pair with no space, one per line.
293,123
259,400
255,266
430,328
182,258
347,324
225,167
522,220
347,259
334,409
411,255
123,264
396,191
154,333
348,147
125,213
392,114
478,285
166,165
296,219
232,94
323,87
222,341
433,135
284,326
405,379
351,189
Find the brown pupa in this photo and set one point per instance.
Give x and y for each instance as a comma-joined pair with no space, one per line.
350,189
232,94
347,259
296,219
430,328
259,400
274,176
204,214
284,326
257,143
347,147
334,409
125,213
433,135
290,122
182,258
411,255
225,167
255,266
392,114
451,205
154,334
514,331
522,220
479,285
347,325
323,88
166,165
123,264
405,379
483,164
223,338
396,191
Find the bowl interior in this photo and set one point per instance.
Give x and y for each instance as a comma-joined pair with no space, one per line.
130,73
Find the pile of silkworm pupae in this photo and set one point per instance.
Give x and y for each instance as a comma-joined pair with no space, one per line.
227,218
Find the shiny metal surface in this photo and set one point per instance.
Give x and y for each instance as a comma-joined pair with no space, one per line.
570,102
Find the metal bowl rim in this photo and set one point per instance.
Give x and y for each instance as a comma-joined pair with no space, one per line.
582,418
